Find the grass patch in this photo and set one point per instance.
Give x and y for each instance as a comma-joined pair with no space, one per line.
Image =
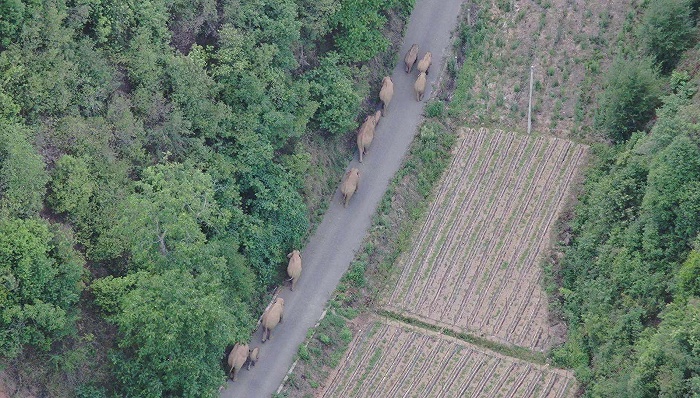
511,351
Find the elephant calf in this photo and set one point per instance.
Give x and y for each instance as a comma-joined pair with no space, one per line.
236,359
271,317
419,86
253,356
294,267
350,184
365,134
410,57
386,93
424,64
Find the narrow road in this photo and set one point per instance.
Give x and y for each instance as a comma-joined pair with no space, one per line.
334,244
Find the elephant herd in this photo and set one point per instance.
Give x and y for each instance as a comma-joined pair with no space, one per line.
273,315
365,134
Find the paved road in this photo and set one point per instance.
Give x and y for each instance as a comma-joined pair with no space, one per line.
338,237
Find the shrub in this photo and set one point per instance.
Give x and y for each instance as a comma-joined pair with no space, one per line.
666,31
339,102
632,92
40,274
434,108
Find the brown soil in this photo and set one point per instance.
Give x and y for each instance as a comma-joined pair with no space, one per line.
568,43
474,264
402,360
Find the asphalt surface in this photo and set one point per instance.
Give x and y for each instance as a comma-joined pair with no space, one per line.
334,244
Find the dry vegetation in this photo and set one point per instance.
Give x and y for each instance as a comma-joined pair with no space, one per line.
475,263
567,42
391,359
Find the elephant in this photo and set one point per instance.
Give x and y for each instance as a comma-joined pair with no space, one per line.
236,359
424,64
365,134
410,57
350,184
271,317
294,267
253,356
419,86
386,93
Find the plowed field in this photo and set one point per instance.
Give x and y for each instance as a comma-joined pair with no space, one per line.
475,263
389,359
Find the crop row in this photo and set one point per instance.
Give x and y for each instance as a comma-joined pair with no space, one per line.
474,264
392,359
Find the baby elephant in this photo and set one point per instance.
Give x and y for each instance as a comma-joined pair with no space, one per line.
271,317
236,359
419,86
386,93
350,184
366,133
294,267
410,57
253,356
424,64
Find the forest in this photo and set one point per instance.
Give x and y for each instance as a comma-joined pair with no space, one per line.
155,159
158,159
628,284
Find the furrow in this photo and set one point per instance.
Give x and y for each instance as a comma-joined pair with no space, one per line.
507,280
458,369
438,372
431,231
502,379
458,248
446,255
519,382
559,194
511,267
403,371
474,280
510,210
389,355
435,208
476,251
453,212
362,363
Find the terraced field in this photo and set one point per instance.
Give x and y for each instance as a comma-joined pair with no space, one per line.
475,263
389,359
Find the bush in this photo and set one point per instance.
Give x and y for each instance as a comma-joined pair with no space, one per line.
333,88
632,92
360,24
22,175
434,108
666,31
41,281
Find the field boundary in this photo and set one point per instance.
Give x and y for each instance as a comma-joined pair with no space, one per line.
507,350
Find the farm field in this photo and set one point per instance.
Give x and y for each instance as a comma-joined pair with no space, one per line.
391,359
474,265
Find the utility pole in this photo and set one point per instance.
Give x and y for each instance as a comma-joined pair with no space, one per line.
529,104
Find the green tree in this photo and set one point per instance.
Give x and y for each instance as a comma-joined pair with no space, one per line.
40,275
173,329
688,279
668,364
359,24
167,219
71,186
333,89
666,31
22,175
632,91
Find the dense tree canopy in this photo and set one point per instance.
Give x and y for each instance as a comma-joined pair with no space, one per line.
153,151
631,266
